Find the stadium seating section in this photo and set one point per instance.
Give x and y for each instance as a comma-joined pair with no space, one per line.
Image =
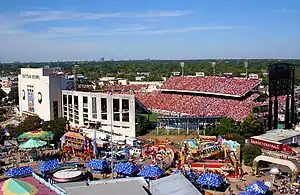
219,85
195,105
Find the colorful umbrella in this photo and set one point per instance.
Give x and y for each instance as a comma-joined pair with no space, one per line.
18,187
32,144
73,135
37,134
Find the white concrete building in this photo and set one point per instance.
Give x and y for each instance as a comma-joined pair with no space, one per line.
40,92
116,110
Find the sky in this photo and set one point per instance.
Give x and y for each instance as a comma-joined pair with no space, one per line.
43,30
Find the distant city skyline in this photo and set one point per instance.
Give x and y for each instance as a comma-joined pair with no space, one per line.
76,30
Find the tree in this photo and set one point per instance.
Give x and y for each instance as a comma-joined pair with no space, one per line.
226,126
56,126
251,126
13,95
250,152
2,94
30,123
143,125
98,87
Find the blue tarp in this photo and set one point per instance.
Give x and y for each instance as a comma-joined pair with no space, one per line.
130,169
126,168
191,175
176,171
150,171
210,179
120,167
98,164
48,165
257,187
19,172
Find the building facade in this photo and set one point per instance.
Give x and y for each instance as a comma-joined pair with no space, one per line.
116,111
40,92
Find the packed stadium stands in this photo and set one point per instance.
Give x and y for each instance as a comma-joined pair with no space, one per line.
199,96
213,85
135,87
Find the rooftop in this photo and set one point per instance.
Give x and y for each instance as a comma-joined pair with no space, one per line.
175,184
278,135
110,187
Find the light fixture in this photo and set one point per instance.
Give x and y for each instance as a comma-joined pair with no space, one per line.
23,94
39,97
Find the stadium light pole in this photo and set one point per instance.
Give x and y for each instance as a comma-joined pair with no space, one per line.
182,67
213,64
111,134
75,76
246,68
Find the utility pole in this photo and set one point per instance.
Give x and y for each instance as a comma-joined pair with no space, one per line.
182,67
75,76
246,68
213,64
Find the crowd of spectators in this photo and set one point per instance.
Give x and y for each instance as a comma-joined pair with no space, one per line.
135,87
192,105
198,105
209,84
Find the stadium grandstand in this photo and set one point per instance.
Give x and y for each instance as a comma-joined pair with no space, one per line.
194,102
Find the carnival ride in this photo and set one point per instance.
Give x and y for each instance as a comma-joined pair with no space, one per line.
78,144
69,175
160,153
210,152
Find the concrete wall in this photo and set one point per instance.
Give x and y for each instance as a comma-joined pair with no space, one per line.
122,127
49,86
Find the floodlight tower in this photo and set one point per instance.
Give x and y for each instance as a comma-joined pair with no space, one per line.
246,68
75,76
213,64
182,67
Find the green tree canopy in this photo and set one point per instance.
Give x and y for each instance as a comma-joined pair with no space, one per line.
143,125
30,123
13,95
2,94
56,126
250,152
251,126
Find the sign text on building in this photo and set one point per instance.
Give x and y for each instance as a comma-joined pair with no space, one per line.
265,144
28,76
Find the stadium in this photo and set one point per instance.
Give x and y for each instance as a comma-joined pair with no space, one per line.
191,103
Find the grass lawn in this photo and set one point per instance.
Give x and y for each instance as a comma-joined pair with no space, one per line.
152,117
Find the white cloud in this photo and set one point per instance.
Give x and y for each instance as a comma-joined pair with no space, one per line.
51,15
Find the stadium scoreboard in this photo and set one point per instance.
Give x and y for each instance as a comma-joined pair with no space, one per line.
280,79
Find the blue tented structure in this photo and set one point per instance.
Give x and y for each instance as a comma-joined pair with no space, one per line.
120,167
257,187
19,172
150,171
210,179
191,175
248,193
176,171
130,169
97,164
48,166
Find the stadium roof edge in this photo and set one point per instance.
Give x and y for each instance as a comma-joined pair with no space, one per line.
200,92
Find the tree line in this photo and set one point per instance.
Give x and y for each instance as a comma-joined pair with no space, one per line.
157,68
